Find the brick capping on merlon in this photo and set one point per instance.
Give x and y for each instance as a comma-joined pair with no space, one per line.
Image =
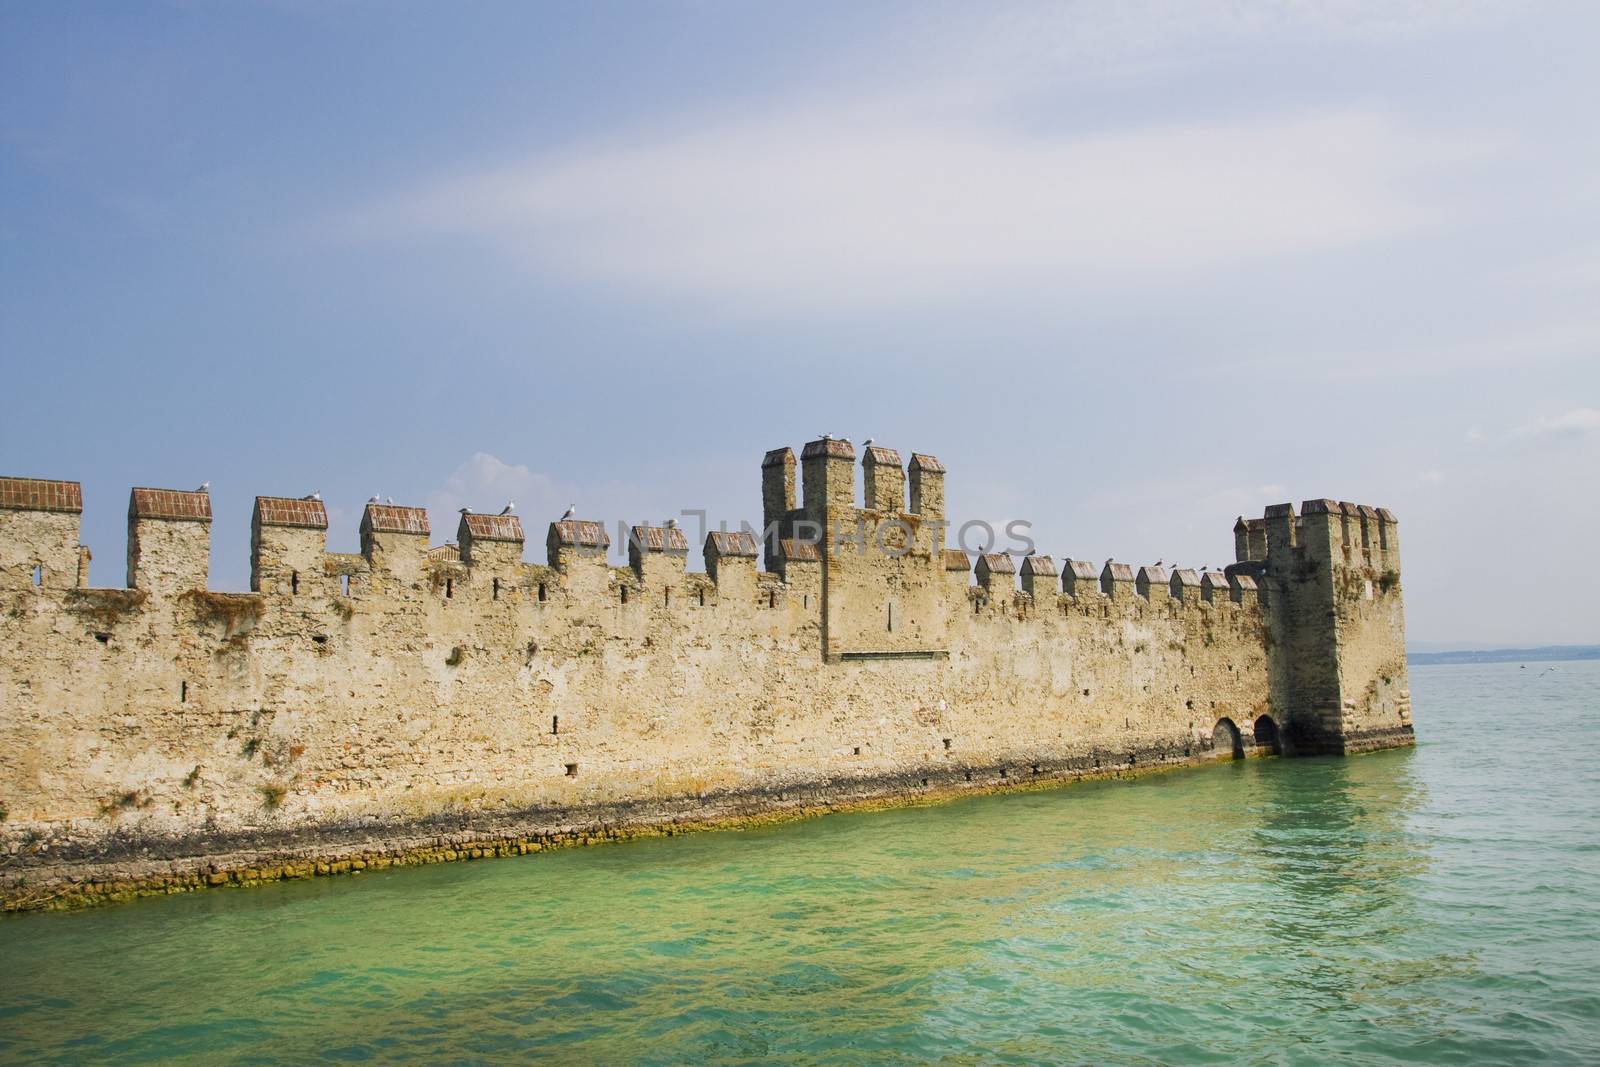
391,518
173,505
40,494
491,527
729,543
798,551
376,691
291,511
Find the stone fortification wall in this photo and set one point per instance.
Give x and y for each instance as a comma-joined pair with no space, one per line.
417,701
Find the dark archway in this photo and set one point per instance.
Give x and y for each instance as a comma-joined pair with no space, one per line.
1225,740
1267,734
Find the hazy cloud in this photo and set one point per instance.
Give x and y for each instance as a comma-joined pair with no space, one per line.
1579,422
820,210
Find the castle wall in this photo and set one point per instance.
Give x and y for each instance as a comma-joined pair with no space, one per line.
166,732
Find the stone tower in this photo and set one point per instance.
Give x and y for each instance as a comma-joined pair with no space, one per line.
1336,623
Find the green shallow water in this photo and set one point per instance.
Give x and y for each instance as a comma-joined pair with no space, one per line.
1436,905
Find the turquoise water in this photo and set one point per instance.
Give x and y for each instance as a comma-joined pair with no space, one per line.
1436,905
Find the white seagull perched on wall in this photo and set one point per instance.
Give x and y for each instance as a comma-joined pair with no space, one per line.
672,524
466,511
868,442
205,487
373,499
565,515
315,494
511,505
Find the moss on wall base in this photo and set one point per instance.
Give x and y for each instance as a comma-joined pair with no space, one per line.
88,881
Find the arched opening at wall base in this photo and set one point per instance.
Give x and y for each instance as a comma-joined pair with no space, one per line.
1266,736
1225,740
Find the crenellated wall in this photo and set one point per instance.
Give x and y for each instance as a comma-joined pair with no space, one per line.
408,701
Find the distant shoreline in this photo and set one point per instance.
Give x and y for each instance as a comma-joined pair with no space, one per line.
1542,654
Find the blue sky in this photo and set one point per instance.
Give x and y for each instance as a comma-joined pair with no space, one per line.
1129,269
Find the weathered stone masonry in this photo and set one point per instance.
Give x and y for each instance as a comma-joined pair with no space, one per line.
408,703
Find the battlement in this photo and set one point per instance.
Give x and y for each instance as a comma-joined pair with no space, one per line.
881,544
412,682
1339,531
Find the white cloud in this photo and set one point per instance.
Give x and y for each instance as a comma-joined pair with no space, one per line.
485,483
831,209
1578,422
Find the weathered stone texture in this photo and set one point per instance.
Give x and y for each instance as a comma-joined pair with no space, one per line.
406,705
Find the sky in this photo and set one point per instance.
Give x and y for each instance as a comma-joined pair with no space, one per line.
1128,269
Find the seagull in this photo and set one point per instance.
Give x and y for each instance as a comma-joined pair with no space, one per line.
373,499
867,443
672,524
565,515
511,505
205,487
316,494
466,511
1160,562
388,500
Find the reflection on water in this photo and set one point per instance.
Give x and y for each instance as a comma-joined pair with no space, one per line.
1428,905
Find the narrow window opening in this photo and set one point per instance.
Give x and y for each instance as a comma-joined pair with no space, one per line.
555,724
891,618
344,585
805,600
541,592
1035,768
666,598
702,598
294,583
1003,773
320,639
772,598
572,770
104,639
969,776
494,589
947,744
1085,692
449,588
624,594
183,692
924,783
858,750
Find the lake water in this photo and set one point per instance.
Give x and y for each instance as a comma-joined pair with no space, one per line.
1440,905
